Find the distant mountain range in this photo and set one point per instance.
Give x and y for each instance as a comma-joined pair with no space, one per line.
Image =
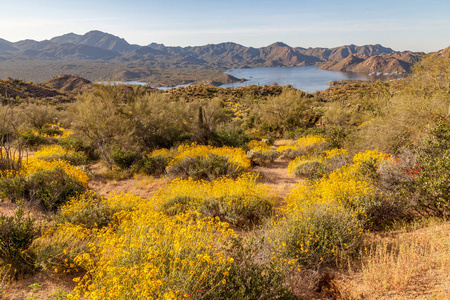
83,55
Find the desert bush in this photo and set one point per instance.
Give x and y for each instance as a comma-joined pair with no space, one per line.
36,116
103,126
57,152
326,217
207,162
249,278
262,157
46,184
153,255
124,159
241,202
228,134
48,189
405,115
318,164
16,235
201,167
431,176
94,212
151,165
318,234
55,251
286,112
310,145
33,138
260,153
214,124
133,121
309,168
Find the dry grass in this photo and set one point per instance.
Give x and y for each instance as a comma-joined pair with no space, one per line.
46,286
407,264
141,185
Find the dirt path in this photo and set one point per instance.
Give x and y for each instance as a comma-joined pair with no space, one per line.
276,175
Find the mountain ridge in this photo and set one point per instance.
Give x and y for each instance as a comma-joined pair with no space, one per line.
142,62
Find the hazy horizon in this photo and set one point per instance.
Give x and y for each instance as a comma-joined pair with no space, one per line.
401,25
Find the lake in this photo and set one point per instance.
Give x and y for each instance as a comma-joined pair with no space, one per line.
308,79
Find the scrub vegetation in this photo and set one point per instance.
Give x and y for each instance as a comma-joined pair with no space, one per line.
367,218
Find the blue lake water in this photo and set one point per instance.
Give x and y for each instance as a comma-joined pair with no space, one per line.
308,79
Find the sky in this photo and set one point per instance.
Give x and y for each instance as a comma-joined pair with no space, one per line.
398,24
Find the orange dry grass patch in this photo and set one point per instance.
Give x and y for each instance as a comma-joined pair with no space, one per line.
47,286
403,265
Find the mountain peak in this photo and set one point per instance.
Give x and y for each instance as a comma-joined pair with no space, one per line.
96,38
279,44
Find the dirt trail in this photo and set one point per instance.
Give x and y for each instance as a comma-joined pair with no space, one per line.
276,175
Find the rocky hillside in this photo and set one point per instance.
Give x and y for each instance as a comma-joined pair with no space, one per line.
98,55
15,88
393,63
68,83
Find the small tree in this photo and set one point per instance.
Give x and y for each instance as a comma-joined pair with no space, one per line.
432,183
11,151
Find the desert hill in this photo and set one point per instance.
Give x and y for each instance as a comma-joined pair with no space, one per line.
68,83
15,88
385,63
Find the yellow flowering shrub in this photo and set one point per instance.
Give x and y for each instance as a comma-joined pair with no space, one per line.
240,201
154,256
316,165
92,211
162,152
34,165
334,153
305,144
260,152
57,248
207,162
256,145
327,216
370,155
48,184
57,152
235,156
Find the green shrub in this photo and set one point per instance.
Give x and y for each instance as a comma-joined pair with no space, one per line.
229,135
48,189
31,138
16,235
124,159
431,175
56,249
310,168
248,278
51,130
318,234
151,165
74,158
262,157
201,167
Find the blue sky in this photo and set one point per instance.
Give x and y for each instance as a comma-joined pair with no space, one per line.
399,24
